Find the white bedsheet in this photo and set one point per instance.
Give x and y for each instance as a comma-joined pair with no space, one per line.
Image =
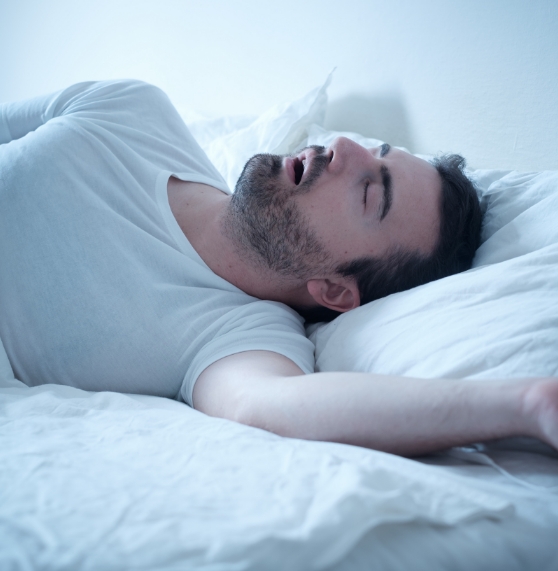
109,481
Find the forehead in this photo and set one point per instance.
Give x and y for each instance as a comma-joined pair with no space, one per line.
418,169
417,194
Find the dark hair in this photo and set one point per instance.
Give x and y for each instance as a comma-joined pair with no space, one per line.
460,226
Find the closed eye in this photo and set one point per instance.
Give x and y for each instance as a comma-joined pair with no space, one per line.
365,192
387,194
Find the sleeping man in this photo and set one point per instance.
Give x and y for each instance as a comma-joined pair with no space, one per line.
127,265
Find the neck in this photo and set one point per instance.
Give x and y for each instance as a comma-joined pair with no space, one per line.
201,213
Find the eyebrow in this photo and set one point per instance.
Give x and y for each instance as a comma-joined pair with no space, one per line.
386,181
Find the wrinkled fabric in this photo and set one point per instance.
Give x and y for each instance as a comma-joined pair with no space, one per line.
102,481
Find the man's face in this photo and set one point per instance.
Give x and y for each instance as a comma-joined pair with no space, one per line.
324,207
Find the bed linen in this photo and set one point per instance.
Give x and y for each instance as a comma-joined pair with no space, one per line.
111,481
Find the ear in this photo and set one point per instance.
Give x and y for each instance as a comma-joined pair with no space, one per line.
339,293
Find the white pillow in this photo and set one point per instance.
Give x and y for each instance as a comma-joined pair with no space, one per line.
230,142
499,319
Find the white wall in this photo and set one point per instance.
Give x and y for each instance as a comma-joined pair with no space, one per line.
477,77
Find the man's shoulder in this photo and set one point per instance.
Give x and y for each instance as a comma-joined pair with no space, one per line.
137,90
129,108
128,97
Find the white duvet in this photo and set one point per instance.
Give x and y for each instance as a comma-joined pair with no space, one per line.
108,481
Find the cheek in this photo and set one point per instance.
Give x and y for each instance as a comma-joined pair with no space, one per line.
337,219
337,231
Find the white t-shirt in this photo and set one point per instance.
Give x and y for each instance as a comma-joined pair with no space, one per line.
99,287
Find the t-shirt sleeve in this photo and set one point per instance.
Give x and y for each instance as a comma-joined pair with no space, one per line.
133,100
19,118
22,117
257,326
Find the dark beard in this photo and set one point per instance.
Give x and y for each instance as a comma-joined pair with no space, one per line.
266,224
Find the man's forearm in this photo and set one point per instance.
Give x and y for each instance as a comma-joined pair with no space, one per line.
399,415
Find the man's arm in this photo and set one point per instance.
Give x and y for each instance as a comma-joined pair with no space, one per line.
400,415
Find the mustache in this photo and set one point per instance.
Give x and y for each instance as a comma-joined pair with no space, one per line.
317,167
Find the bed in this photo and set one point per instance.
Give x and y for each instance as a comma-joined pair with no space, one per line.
112,481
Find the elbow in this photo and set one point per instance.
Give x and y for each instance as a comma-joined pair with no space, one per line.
256,413
234,405
244,410
265,405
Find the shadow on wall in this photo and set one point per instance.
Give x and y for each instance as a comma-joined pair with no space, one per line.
380,117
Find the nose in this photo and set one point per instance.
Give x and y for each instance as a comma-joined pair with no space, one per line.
346,154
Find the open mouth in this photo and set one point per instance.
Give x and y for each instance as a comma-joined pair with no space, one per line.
298,165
